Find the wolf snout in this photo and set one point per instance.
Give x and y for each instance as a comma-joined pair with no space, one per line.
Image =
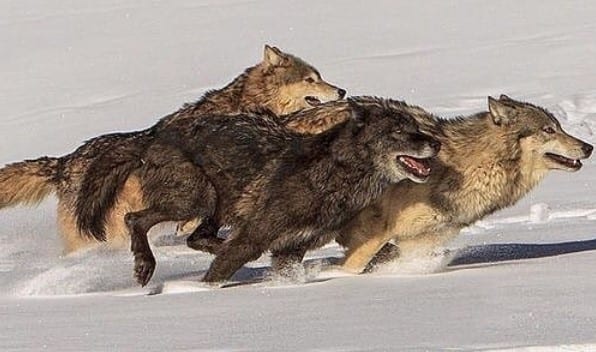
341,93
587,149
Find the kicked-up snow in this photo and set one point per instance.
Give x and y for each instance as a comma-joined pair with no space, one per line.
521,280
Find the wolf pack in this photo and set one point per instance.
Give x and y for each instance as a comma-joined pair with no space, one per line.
289,164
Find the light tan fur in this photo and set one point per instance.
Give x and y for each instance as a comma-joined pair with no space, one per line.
483,167
26,190
26,182
130,199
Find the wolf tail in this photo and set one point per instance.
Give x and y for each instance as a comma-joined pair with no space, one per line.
28,182
104,179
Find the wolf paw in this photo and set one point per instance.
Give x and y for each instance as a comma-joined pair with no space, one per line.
144,267
289,272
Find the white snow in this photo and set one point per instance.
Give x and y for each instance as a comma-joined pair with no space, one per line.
522,279
539,212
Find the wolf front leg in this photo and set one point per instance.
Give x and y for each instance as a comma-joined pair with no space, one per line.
358,255
388,253
423,245
363,237
427,244
232,255
284,261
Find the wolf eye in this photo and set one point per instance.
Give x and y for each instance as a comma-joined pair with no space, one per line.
309,80
548,130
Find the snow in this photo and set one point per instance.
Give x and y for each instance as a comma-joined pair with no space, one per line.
522,279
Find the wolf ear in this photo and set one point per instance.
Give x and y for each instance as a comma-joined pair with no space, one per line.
505,98
502,111
273,56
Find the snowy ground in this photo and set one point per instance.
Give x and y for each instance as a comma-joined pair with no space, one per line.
522,278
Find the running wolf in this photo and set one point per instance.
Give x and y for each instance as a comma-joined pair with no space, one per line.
281,84
487,162
278,189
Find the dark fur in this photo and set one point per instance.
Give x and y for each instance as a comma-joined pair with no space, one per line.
276,84
248,93
277,189
309,122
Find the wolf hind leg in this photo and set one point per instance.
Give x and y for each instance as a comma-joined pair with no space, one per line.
187,194
72,238
139,223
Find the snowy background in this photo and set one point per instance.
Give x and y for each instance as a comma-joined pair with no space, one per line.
524,278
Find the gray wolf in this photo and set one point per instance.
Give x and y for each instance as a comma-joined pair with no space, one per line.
487,162
278,189
281,83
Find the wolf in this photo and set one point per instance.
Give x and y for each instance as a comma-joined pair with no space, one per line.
307,122
279,190
281,83
487,162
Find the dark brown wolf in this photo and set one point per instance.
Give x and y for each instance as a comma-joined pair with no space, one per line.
487,162
281,84
278,189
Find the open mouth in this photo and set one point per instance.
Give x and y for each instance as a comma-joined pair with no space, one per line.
419,168
312,101
566,162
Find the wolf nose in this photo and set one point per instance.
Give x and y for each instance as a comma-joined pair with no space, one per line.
587,149
341,93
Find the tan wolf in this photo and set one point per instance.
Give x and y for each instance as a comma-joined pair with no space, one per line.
487,162
281,83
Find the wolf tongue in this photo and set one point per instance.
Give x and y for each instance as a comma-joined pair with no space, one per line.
418,166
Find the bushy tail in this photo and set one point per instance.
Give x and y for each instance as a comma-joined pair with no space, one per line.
28,182
104,179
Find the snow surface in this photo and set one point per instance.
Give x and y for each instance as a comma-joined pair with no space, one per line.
523,278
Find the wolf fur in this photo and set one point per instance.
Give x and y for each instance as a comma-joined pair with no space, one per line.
487,162
309,121
278,189
28,181
284,84
281,83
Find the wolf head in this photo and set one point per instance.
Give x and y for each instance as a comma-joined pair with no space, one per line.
392,137
542,140
283,83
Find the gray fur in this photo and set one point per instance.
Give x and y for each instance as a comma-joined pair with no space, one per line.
277,189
